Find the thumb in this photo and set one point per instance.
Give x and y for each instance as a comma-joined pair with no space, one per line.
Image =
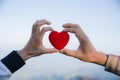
51,50
68,52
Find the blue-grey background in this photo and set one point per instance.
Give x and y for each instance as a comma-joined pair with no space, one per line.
100,19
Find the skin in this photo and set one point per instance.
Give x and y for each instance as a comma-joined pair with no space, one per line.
85,51
35,47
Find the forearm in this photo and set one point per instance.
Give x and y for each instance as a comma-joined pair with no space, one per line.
111,63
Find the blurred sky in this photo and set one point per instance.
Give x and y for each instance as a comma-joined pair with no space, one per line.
100,19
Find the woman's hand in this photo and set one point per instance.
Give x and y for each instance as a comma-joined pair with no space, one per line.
35,47
86,50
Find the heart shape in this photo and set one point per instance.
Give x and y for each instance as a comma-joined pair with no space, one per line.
59,40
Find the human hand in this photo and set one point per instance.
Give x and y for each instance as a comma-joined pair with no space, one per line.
35,47
86,50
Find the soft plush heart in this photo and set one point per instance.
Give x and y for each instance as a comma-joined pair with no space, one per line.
59,40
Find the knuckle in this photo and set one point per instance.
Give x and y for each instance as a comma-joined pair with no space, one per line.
44,29
77,25
44,20
40,22
34,38
36,23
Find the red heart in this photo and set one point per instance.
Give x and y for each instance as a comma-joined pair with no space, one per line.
59,40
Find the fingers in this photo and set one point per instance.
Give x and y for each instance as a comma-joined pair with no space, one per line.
38,24
45,29
69,30
42,32
75,28
42,22
70,25
51,50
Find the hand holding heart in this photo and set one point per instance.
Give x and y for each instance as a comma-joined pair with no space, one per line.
35,47
85,51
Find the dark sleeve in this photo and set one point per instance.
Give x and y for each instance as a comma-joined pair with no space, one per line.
13,61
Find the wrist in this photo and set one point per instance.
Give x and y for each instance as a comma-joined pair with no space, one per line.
100,58
24,55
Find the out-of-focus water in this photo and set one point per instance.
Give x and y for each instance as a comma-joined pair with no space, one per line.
61,67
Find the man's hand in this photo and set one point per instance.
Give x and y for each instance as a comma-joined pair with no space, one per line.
85,51
35,47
